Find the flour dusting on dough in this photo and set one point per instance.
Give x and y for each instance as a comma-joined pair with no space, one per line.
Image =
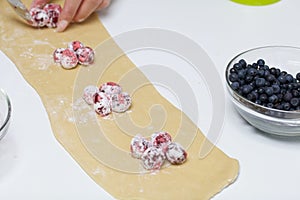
11,36
99,171
27,54
83,113
44,61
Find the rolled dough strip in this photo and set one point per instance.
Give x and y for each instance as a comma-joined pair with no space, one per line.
31,50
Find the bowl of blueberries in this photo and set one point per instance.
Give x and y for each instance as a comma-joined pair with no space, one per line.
264,86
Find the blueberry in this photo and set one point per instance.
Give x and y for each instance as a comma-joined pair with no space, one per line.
233,77
254,65
279,96
276,82
242,82
240,92
284,86
279,106
289,78
243,63
237,66
261,90
294,102
256,77
270,105
259,82
276,88
249,66
298,76
286,106
252,71
248,78
247,89
263,97
270,78
295,93
288,96
283,73
260,62
273,71
266,67
232,70
267,83
267,73
261,72
258,102
281,79
255,94
251,97
235,85
277,72
269,91
273,99
252,84
295,85
290,86
283,91
242,74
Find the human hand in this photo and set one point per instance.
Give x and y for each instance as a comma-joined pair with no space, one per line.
74,10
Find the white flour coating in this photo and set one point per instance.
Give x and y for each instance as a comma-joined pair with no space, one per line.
153,158
43,61
78,112
69,116
176,154
11,36
27,54
45,42
99,171
83,112
120,102
89,93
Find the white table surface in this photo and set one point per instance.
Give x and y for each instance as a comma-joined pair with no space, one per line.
33,165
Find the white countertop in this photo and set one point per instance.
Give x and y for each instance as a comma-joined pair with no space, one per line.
33,165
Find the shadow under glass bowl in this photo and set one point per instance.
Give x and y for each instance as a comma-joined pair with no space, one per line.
273,121
5,113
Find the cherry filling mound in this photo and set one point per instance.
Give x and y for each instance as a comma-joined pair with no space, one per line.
110,88
68,59
76,53
107,98
102,104
46,16
138,146
157,150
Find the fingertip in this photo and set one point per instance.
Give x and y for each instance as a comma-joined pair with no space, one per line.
62,25
38,3
104,4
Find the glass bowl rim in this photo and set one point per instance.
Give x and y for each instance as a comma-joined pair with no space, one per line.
295,112
8,103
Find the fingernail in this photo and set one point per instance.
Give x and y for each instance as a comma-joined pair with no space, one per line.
62,25
80,20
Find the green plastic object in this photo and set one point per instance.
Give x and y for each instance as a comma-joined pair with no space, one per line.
255,2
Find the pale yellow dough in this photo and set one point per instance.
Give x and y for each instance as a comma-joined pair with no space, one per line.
101,145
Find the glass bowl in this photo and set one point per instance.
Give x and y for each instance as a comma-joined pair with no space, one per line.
5,113
270,120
